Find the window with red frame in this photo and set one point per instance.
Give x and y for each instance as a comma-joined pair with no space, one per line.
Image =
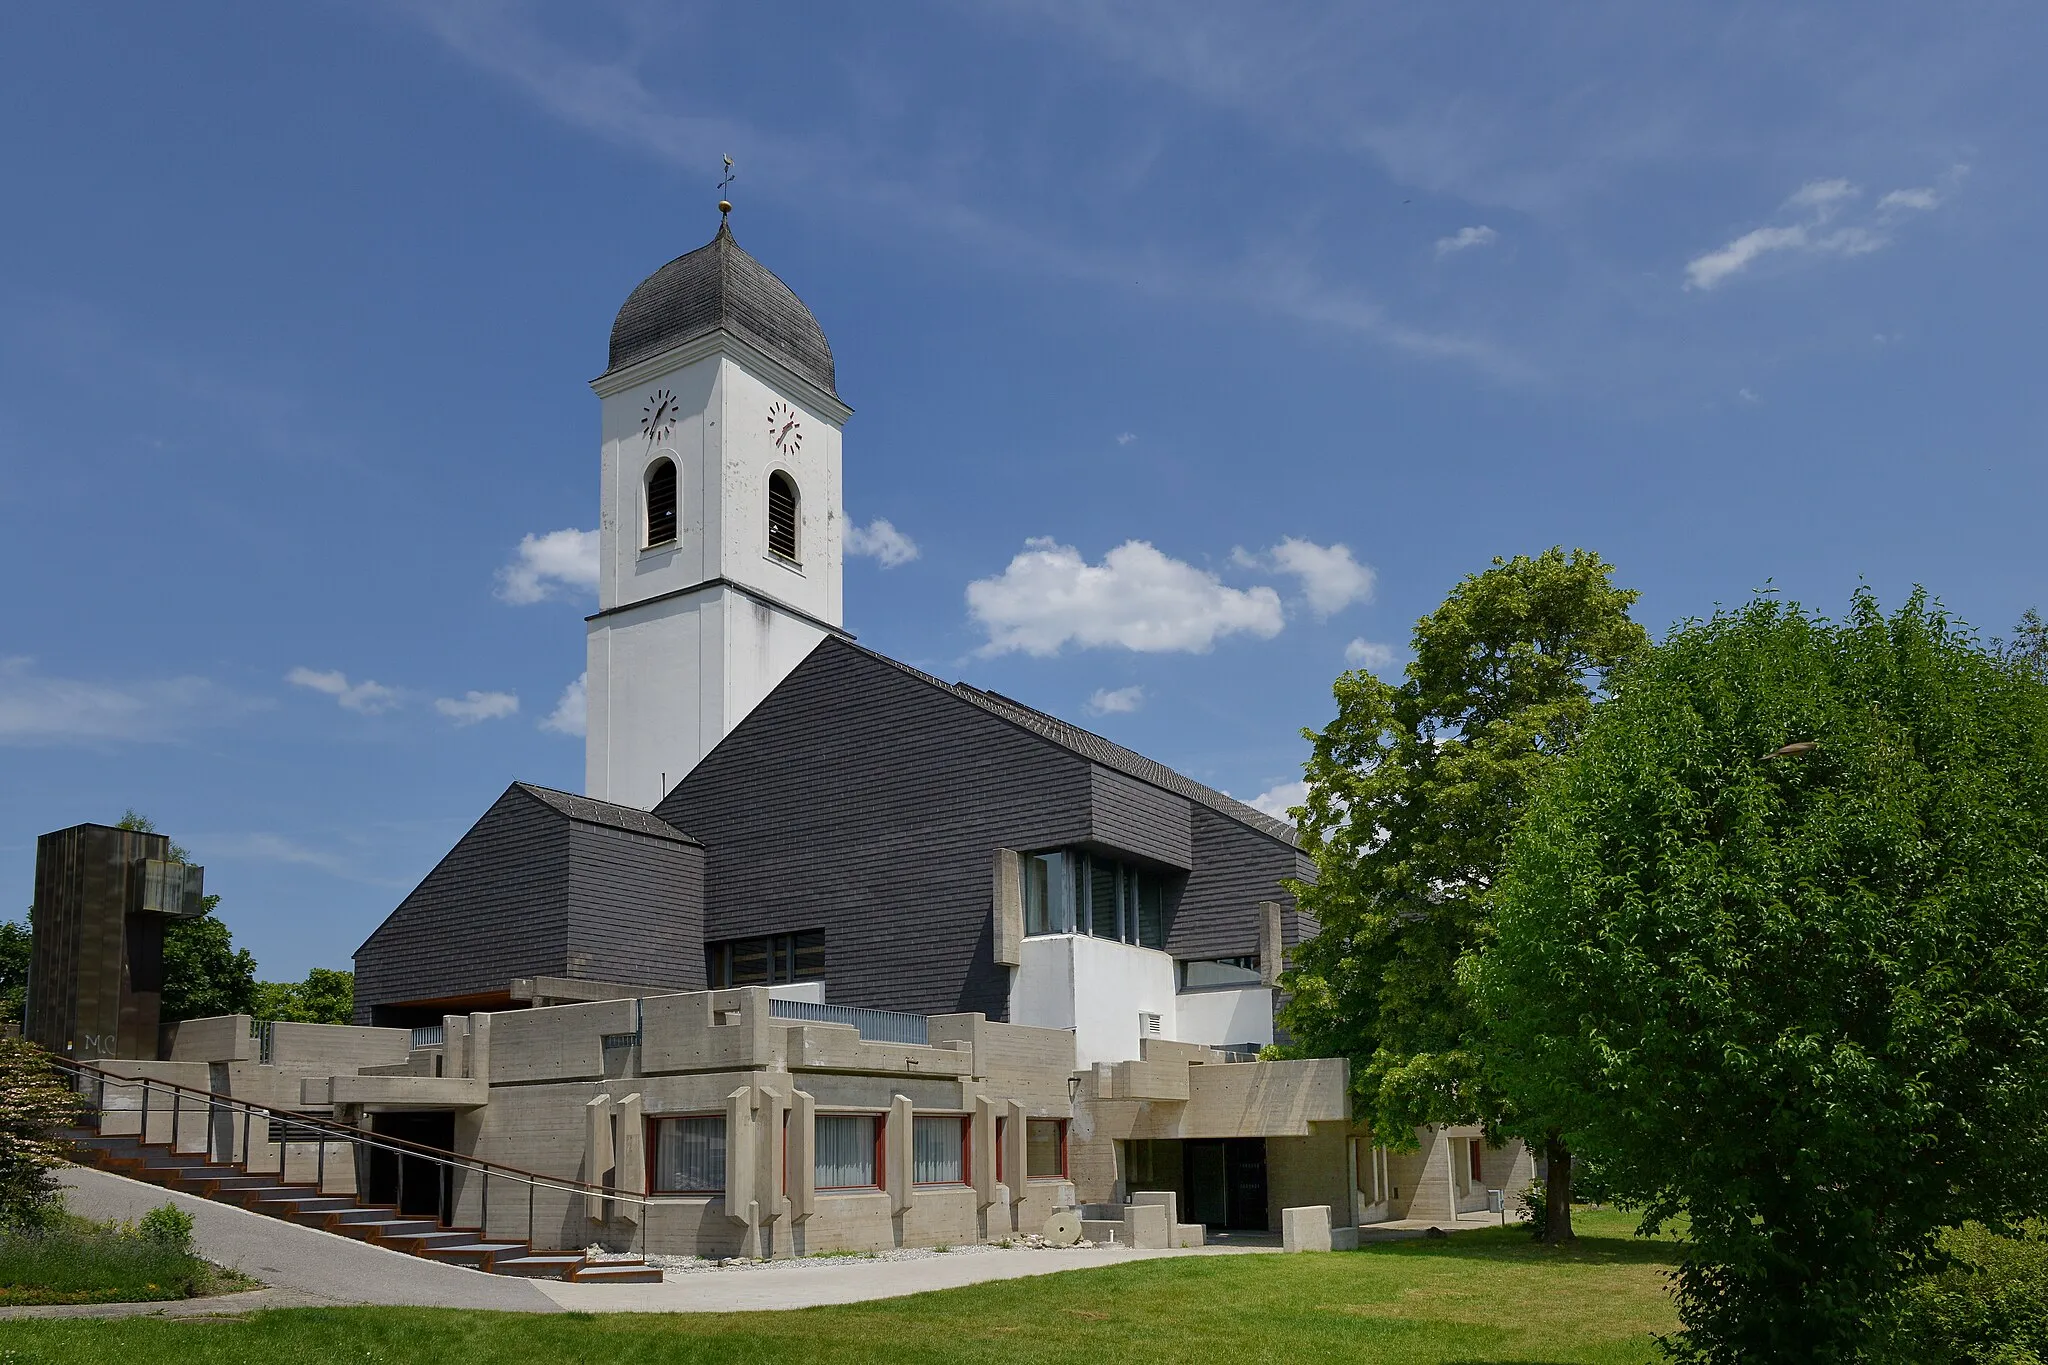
849,1152
1478,1172
938,1149
689,1155
1045,1149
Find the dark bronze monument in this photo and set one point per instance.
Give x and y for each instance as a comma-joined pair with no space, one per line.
96,969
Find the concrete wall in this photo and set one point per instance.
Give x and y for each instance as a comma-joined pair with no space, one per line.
1219,1017
1302,1171
1097,988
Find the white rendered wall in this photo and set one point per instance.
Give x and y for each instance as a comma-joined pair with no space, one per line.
1096,987
1217,1017
669,678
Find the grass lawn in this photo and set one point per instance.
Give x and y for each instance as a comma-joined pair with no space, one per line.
76,1261
1477,1297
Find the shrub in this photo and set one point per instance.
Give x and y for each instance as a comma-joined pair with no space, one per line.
74,1261
168,1226
1990,1306
1536,1204
34,1103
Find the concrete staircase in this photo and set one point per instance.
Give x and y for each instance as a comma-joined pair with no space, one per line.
195,1173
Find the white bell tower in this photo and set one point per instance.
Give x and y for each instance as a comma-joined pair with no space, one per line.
719,539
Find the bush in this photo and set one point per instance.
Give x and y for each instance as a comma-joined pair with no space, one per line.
168,1226
1990,1307
1536,1204
34,1103
75,1261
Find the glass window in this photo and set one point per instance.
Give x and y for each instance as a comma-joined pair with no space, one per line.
1071,892
1049,893
937,1146
774,960
689,1155
661,503
782,520
1045,1149
846,1151
1103,881
1151,910
1219,971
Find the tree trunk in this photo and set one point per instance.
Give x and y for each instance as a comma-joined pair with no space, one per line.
1557,1191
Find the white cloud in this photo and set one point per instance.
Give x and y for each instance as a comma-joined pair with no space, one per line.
1464,239
1923,199
571,713
548,563
1749,395
1137,598
473,706
366,697
1121,702
881,540
36,709
1816,206
1362,653
1331,579
1124,438
1275,801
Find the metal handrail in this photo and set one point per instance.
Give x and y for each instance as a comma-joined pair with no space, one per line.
335,1131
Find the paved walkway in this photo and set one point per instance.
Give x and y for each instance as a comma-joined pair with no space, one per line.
305,1267
751,1288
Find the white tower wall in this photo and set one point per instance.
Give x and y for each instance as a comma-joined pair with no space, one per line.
691,635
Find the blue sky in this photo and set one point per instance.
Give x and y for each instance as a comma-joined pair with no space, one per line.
298,305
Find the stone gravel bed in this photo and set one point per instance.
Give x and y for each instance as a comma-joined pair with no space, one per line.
696,1265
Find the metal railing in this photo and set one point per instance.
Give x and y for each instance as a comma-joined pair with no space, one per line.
430,1035
874,1026
222,1119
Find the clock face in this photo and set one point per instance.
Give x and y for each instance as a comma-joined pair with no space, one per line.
785,429
658,418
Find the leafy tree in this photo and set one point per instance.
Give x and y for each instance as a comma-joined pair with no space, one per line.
34,1103
15,942
2029,644
1772,947
1413,792
204,973
324,997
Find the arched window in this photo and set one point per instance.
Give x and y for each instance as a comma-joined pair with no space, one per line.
661,502
782,523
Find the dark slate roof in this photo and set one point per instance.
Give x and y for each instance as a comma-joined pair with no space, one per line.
720,288
1096,749
590,811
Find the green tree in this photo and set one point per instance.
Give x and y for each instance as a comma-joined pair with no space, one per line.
15,942
324,997
1413,793
204,973
1772,947
2029,644
34,1103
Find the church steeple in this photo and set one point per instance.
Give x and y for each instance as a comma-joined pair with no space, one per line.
719,536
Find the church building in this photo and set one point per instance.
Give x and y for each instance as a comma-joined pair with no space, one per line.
831,953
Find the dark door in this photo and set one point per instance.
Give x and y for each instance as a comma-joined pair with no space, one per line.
411,1184
1207,1180
1244,1162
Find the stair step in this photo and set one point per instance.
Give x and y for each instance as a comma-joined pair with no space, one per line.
616,1272
420,1243
538,1267
479,1253
368,1213
386,1229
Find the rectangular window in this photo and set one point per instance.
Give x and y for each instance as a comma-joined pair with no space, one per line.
1478,1168
1219,972
1045,1149
846,1151
1071,892
689,1155
938,1149
771,961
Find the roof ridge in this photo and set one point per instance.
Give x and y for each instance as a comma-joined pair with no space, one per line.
595,809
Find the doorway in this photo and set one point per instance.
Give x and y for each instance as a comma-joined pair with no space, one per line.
410,1184
1226,1183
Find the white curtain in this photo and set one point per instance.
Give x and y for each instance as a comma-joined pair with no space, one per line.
689,1154
935,1151
846,1151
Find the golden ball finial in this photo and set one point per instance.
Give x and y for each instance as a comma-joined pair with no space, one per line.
725,206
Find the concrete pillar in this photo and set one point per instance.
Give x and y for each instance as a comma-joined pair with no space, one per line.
1014,1159
1305,1229
597,1152
803,1156
630,1157
981,1139
901,1178
1272,944
1007,908
769,1108
740,1148
479,1047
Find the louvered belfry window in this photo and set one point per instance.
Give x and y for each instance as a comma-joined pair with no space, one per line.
782,515
661,503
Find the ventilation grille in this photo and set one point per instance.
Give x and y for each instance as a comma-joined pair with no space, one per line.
661,503
1148,1025
782,516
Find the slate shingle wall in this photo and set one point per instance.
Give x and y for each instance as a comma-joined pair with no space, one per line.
1136,817
1235,869
636,909
496,907
860,800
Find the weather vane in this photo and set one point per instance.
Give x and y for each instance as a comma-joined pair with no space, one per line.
725,206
